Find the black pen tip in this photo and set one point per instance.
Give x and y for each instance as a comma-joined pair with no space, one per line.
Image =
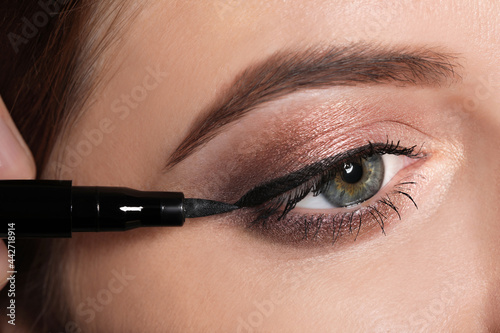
202,207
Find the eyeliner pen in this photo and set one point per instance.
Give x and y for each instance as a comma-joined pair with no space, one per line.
54,208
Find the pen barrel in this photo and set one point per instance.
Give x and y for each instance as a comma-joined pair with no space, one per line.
30,208
119,208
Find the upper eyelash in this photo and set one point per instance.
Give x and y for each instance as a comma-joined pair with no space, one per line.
314,178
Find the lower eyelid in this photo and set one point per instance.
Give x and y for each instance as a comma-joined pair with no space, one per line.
312,228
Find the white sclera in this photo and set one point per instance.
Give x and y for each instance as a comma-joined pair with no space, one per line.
392,165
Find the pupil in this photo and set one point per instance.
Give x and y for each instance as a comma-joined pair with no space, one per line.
353,172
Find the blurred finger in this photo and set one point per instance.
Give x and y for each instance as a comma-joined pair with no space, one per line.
16,161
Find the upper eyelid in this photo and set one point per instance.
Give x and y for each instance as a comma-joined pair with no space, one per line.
281,185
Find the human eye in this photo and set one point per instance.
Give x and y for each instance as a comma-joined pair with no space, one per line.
336,196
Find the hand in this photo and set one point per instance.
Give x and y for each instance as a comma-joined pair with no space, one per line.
16,162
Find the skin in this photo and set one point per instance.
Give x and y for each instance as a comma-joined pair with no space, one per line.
435,270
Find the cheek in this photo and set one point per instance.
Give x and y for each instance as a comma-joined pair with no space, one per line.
176,278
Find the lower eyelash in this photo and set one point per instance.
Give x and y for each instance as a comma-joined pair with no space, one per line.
303,229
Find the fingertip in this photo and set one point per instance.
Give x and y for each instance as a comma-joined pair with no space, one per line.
16,160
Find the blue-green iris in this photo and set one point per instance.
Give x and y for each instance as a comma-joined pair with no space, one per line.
359,180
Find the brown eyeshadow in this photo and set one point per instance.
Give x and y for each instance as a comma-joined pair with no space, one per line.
284,146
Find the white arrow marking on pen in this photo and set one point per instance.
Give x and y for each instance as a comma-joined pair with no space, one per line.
131,209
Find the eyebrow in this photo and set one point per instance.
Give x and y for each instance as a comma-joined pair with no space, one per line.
286,72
